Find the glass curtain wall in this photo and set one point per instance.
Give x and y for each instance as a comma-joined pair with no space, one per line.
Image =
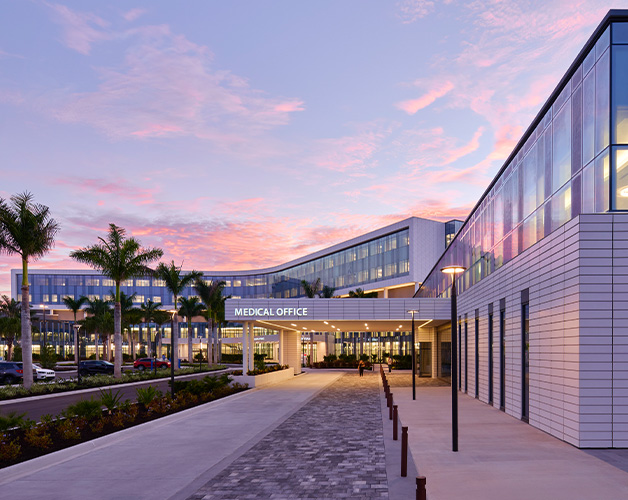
380,259
563,169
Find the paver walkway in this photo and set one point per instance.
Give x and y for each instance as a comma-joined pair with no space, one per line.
332,447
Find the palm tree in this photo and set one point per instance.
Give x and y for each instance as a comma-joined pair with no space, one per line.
9,331
176,283
149,309
358,293
211,294
161,318
75,305
130,316
99,323
311,289
190,307
118,258
327,292
26,229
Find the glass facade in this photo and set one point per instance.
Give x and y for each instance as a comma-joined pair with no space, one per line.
574,160
383,258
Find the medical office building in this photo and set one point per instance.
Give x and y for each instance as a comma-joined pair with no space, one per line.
542,319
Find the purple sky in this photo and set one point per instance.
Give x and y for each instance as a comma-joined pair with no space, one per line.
242,134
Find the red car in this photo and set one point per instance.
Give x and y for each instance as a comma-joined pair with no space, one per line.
145,364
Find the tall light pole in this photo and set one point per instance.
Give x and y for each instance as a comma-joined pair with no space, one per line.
43,306
77,327
174,312
413,311
453,270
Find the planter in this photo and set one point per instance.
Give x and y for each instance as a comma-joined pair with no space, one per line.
265,378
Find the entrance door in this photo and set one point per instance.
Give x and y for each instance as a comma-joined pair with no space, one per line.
425,359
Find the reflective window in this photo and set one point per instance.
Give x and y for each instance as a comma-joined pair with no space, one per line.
620,188
620,94
602,177
588,118
562,147
602,102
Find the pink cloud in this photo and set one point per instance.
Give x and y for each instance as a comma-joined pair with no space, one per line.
133,14
410,11
470,147
80,30
413,105
117,188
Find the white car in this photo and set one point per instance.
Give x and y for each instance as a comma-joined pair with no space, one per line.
40,373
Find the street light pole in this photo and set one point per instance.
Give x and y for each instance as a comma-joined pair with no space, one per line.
78,350
412,311
453,270
171,354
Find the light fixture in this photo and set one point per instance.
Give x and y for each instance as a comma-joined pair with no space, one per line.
453,269
293,324
624,192
325,322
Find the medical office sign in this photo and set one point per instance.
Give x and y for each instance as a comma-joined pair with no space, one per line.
270,312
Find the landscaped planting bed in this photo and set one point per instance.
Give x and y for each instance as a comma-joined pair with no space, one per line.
64,385
22,439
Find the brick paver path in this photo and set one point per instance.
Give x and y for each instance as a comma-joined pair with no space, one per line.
332,447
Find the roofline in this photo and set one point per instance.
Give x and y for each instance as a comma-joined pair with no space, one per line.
364,238
613,15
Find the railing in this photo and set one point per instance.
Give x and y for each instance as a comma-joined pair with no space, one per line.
393,414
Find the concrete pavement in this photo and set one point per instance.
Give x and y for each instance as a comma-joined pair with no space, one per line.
499,456
169,457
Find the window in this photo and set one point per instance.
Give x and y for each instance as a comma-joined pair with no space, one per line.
466,354
502,355
142,282
477,353
160,283
138,299
92,282
108,282
157,299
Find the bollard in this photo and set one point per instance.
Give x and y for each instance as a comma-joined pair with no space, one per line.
390,408
404,452
395,422
388,398
421,494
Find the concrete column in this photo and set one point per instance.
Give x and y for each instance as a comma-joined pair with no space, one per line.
245,347
251,345
292,350
385,293
281,348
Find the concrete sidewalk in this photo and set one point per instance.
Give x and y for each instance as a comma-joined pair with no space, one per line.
165,458
500,457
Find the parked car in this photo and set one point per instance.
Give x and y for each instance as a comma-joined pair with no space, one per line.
145,364
95,367
40,373
11,372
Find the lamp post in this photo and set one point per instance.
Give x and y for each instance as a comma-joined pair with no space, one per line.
413,311
174,312
453,270
43,306
77,346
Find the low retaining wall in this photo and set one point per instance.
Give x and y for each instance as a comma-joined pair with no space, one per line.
265,378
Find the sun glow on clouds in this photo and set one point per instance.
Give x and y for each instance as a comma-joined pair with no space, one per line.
414,105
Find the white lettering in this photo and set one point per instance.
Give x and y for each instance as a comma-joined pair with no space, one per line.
238,312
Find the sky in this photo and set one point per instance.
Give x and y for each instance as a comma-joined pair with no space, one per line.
243,134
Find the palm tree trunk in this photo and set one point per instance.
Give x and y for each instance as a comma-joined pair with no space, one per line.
219,343
190,357
210,328
214,344
76,346
117,336
27,339
159,349
96,345
10,349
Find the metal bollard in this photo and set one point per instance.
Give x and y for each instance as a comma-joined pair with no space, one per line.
388,398
395,422
404,452
390,408
421,494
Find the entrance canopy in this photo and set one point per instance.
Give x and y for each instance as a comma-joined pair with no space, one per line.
339,315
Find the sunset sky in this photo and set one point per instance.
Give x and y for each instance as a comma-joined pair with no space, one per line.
243,134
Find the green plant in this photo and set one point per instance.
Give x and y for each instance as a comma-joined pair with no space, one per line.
48,357
87,408
145,395
38,437
110,399
9,449
17,353
69,430
13,420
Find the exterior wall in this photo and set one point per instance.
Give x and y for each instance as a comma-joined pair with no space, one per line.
578,296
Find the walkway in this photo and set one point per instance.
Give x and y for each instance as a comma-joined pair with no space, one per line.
332,447
500,457
170,457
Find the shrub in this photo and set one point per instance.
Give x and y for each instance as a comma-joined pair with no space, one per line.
86,408
330,358
69,430
38,437
13,420
110,399
9,449
145,395
17,353
48,357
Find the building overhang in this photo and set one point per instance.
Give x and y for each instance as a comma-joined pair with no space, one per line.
339,315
